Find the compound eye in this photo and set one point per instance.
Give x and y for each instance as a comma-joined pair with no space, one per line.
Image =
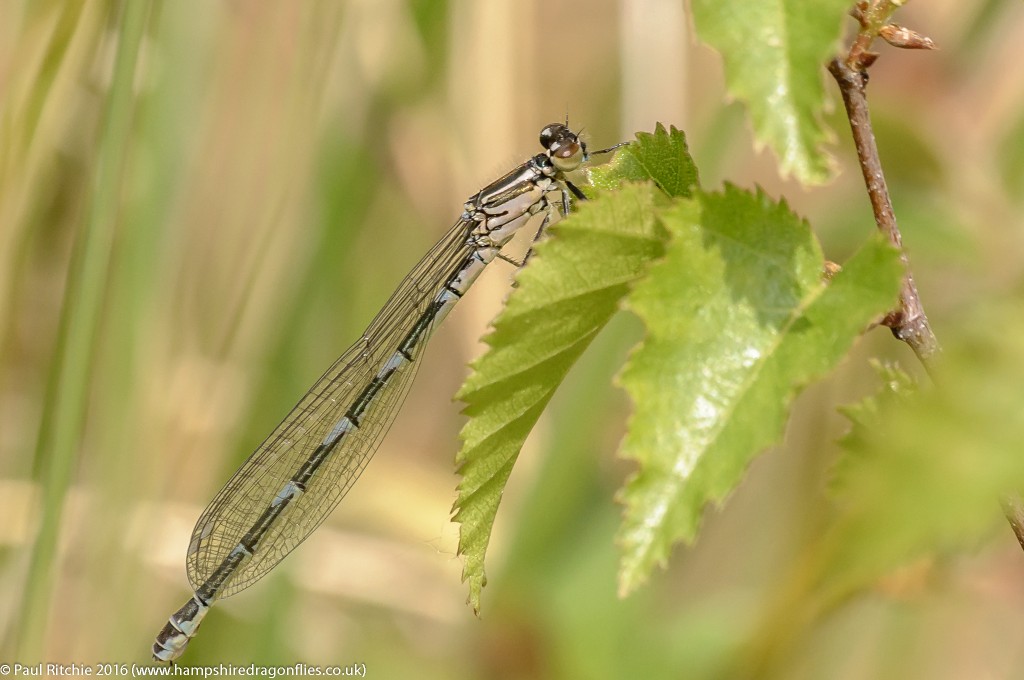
550,133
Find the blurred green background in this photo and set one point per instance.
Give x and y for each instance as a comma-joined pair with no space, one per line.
273,172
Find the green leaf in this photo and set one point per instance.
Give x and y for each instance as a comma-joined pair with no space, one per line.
774,53
661,157
925,470
738,320
572,287
897,387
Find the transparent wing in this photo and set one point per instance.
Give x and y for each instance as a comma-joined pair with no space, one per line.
242,500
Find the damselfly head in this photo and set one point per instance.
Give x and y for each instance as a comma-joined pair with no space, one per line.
564,148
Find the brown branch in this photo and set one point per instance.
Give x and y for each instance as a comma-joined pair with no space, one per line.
908,321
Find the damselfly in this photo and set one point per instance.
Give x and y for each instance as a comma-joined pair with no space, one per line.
308,463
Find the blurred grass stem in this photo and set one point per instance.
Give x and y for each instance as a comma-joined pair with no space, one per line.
64,412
